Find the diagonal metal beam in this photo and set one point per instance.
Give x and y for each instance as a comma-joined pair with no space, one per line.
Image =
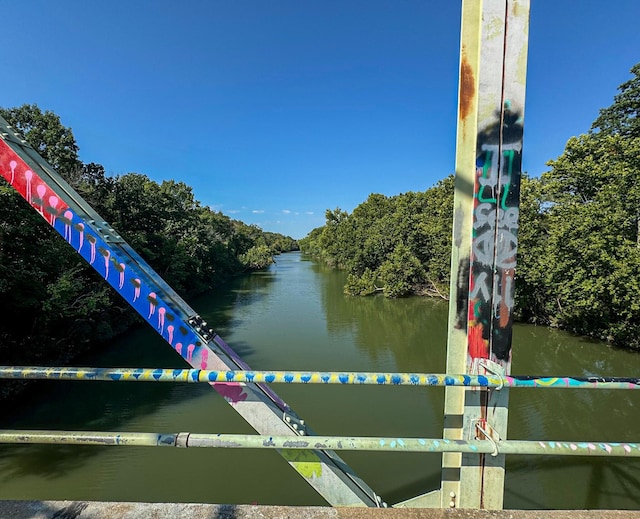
170,316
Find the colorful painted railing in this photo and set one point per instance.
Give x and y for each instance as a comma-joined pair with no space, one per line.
314,377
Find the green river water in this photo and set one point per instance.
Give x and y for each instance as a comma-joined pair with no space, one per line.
295,316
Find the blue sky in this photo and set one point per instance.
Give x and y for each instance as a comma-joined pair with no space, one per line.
275,110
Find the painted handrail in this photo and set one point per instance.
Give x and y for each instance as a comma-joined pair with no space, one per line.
312,377
336,443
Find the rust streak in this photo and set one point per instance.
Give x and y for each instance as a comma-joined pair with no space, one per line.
467,86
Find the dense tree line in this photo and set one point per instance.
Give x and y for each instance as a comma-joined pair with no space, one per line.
579,234
52,304
396,245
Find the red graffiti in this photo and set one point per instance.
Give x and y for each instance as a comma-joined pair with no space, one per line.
478,347
17,173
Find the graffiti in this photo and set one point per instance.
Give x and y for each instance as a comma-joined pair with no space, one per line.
486,280
142,296
158,305
305,463
462,301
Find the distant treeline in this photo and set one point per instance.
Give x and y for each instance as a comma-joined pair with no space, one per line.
52,304
578,239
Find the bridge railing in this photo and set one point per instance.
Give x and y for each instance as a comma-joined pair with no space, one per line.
337,443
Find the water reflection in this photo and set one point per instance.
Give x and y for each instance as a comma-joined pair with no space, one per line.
571,415
105,406
295,316
412,330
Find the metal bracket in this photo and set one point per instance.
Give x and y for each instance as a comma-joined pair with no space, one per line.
489,367
484,431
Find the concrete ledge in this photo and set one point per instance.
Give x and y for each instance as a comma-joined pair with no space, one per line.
100,510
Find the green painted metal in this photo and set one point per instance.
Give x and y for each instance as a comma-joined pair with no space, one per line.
313,377
345,443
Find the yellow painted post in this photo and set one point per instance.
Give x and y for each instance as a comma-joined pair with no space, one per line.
493,59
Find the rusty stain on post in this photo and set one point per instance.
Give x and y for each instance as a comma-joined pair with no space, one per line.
467,86
488,167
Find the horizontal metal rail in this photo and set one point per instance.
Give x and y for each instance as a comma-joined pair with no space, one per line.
243,441
313,377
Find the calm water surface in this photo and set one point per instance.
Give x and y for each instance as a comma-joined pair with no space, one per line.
294,316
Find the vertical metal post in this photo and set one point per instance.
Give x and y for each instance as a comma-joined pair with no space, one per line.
493,59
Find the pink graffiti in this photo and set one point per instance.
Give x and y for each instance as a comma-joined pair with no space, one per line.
53,202
190,349
80,228
41,189
161,312
152,304
179,348
106,255
67,225
122,268
231,391
204,359
170,333
136,289
28,175
92,241
13,164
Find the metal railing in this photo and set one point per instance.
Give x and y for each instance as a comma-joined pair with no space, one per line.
379,444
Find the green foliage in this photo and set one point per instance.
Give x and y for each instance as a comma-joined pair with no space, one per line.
401,272
257,257
531,292
362,285
579,239
46,134
402,243
623,116
279,243
583,273
53,305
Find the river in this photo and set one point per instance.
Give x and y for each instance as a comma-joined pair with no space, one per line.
295,316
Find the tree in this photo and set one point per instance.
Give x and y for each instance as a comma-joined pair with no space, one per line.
51,298
46,134
401,272
257,257
623,116
401,243
531,289
591,259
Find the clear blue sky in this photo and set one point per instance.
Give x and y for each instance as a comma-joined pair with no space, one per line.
275,110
